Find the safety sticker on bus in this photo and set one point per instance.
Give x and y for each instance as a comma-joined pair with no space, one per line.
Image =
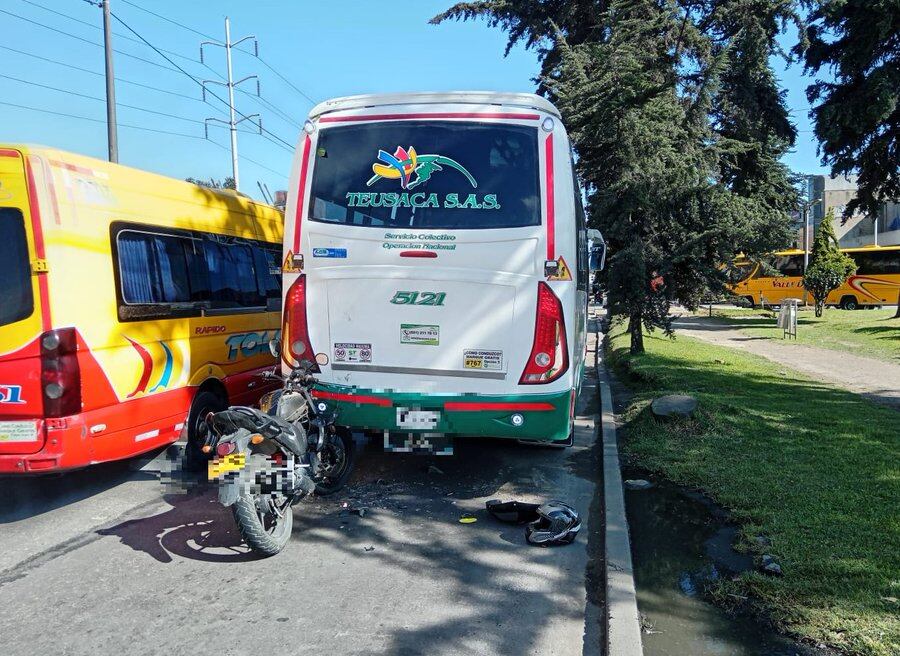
18,431
480,359
352,352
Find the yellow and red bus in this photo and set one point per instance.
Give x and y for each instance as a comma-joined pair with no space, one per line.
131,305
876,281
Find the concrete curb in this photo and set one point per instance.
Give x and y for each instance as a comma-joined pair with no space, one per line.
623,623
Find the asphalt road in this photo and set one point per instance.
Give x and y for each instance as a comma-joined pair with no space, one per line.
104,561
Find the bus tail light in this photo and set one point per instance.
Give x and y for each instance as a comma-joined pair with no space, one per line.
549,357
60,373
294,330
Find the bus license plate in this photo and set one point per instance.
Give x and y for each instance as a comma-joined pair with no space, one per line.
219,466
417,419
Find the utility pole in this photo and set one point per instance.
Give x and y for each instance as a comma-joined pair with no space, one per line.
111,125
233,122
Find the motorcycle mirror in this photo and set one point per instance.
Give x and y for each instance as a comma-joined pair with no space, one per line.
275,347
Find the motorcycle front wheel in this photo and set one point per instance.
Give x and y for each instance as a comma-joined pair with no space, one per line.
336,462
266,529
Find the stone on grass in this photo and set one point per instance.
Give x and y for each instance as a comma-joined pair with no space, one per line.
674,405
637,484
770,566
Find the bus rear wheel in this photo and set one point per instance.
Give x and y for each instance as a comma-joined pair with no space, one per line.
205,401
750,302
849,303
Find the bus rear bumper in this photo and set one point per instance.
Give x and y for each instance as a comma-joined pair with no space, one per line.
538,417
70,443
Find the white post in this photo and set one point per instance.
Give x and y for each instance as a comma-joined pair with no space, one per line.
232,122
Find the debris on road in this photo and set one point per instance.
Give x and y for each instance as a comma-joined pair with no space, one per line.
468,519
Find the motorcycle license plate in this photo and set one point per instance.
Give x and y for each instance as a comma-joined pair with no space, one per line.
220,466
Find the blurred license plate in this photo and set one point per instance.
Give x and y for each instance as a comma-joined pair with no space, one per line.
219,466
426,420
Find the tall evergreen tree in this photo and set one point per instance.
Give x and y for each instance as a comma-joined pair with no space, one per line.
638,92
857,116
828,267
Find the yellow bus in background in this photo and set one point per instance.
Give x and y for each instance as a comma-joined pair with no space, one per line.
131,305
876,281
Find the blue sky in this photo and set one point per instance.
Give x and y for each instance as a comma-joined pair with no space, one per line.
325,49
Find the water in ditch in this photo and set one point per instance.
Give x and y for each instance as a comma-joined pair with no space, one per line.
680,542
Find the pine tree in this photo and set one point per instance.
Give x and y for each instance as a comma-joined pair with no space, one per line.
828,267
857,118
638,93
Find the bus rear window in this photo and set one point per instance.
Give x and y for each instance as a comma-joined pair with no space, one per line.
15,268
427,174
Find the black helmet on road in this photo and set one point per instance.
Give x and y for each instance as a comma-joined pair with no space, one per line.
557,523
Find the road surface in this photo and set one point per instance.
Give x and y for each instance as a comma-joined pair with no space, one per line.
102,561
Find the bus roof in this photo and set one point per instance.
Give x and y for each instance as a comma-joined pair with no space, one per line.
230,197
525,100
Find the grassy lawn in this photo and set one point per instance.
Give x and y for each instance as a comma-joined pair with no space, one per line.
872,333
814,468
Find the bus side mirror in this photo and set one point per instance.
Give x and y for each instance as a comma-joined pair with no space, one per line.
275,348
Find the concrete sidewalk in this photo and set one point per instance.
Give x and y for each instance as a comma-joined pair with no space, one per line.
874,379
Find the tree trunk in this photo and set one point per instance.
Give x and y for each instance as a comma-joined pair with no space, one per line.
897,313
820,307
636,330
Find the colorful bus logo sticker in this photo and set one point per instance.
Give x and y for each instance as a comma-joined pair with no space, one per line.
405,163
481,359
352,352
11,394
340,253
413,333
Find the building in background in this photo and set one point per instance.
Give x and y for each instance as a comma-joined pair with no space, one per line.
834,193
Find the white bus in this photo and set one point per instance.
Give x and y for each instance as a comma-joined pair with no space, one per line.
436,266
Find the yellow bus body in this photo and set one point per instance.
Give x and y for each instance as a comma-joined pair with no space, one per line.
128,353
876,281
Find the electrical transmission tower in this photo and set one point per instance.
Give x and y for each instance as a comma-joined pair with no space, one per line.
233,122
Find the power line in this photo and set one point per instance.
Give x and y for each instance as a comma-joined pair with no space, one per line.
247,159
97,73
97,27
286,144
79,38
285,80
89,97
97,120
168,20
272,108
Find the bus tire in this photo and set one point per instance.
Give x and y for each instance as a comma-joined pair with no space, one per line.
750,301
849,303
205,401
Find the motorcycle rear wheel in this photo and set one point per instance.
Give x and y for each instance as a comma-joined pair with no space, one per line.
265,533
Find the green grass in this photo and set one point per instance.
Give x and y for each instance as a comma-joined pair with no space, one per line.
814,468
871,333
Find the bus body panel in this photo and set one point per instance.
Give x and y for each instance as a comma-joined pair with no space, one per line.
433,317
138,374
876,281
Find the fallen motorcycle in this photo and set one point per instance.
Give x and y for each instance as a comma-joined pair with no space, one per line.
268,459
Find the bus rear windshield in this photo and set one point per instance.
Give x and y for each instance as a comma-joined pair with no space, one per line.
16,301
428,175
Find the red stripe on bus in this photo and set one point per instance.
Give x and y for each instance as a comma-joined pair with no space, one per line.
301,192
8,153
390,117
38,235
72,167
354,398
418,254
478,406
551,217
